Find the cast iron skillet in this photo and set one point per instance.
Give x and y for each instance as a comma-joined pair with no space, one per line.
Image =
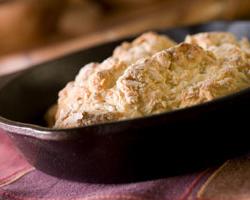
132,150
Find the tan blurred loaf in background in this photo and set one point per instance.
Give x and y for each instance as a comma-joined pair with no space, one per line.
33,31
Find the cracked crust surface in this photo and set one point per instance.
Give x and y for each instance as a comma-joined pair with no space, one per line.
233,73
82,101
151,75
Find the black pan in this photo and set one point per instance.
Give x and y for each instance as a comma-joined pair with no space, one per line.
133,150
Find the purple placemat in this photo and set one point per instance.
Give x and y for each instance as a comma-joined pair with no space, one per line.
20,181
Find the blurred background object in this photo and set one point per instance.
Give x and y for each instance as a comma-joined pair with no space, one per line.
27,23
34,31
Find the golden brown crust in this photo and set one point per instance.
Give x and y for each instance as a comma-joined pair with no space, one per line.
152,75
208,39
233,74
152,85
145,45
82,101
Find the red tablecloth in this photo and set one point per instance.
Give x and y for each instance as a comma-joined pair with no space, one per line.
20,181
